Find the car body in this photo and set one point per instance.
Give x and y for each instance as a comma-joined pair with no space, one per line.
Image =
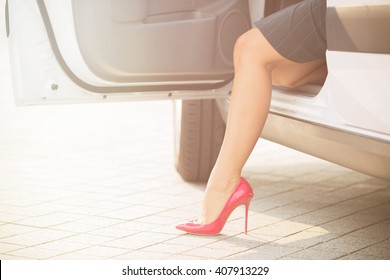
67,51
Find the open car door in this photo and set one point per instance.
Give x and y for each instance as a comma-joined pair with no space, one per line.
91,50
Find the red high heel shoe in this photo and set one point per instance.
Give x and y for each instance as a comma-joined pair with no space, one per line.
241,195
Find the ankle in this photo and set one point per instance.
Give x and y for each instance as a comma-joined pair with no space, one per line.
226,184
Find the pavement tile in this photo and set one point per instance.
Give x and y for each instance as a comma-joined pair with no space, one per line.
169,202
282,228
50,220
211,253
253,255
159,219
194,240
130,243
167,229
182,257
381,196
142,255
100,221
41,209
263,238
76,201
153,236
35,253
299,208
261,205
258,220
270,251
167,248
111,231
290,258
342,226
76,227
18,258
277,250
10,217
86,211
133,212
14,229
102,251
380,212
63,245
314,218
139,198
24,200
305,239
380,250
184,213
85,238
348,178
291,210
357,256
36,237
346,244
135,226
312,178
76,256
379,231
105,206
5,247
313,254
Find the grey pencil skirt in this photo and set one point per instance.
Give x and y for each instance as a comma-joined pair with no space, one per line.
297,32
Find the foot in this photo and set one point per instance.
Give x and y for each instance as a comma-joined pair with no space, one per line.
215,198
242,195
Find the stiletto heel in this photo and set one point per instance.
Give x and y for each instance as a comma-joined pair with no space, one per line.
241,195
246,216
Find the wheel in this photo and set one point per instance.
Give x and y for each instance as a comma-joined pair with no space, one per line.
198,139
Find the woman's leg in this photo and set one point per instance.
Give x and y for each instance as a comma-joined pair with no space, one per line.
296,75
256,63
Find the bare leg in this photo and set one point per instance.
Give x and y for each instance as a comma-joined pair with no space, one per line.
295,75
256,66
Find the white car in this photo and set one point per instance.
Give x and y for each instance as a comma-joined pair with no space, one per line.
65,51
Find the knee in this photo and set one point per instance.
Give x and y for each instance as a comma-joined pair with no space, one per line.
248,47
252,47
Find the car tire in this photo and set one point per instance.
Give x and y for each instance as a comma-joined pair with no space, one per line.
201,131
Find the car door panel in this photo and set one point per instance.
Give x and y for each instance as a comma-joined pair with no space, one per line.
178,41
78,50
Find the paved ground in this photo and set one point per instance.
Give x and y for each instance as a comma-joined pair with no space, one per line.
98,182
